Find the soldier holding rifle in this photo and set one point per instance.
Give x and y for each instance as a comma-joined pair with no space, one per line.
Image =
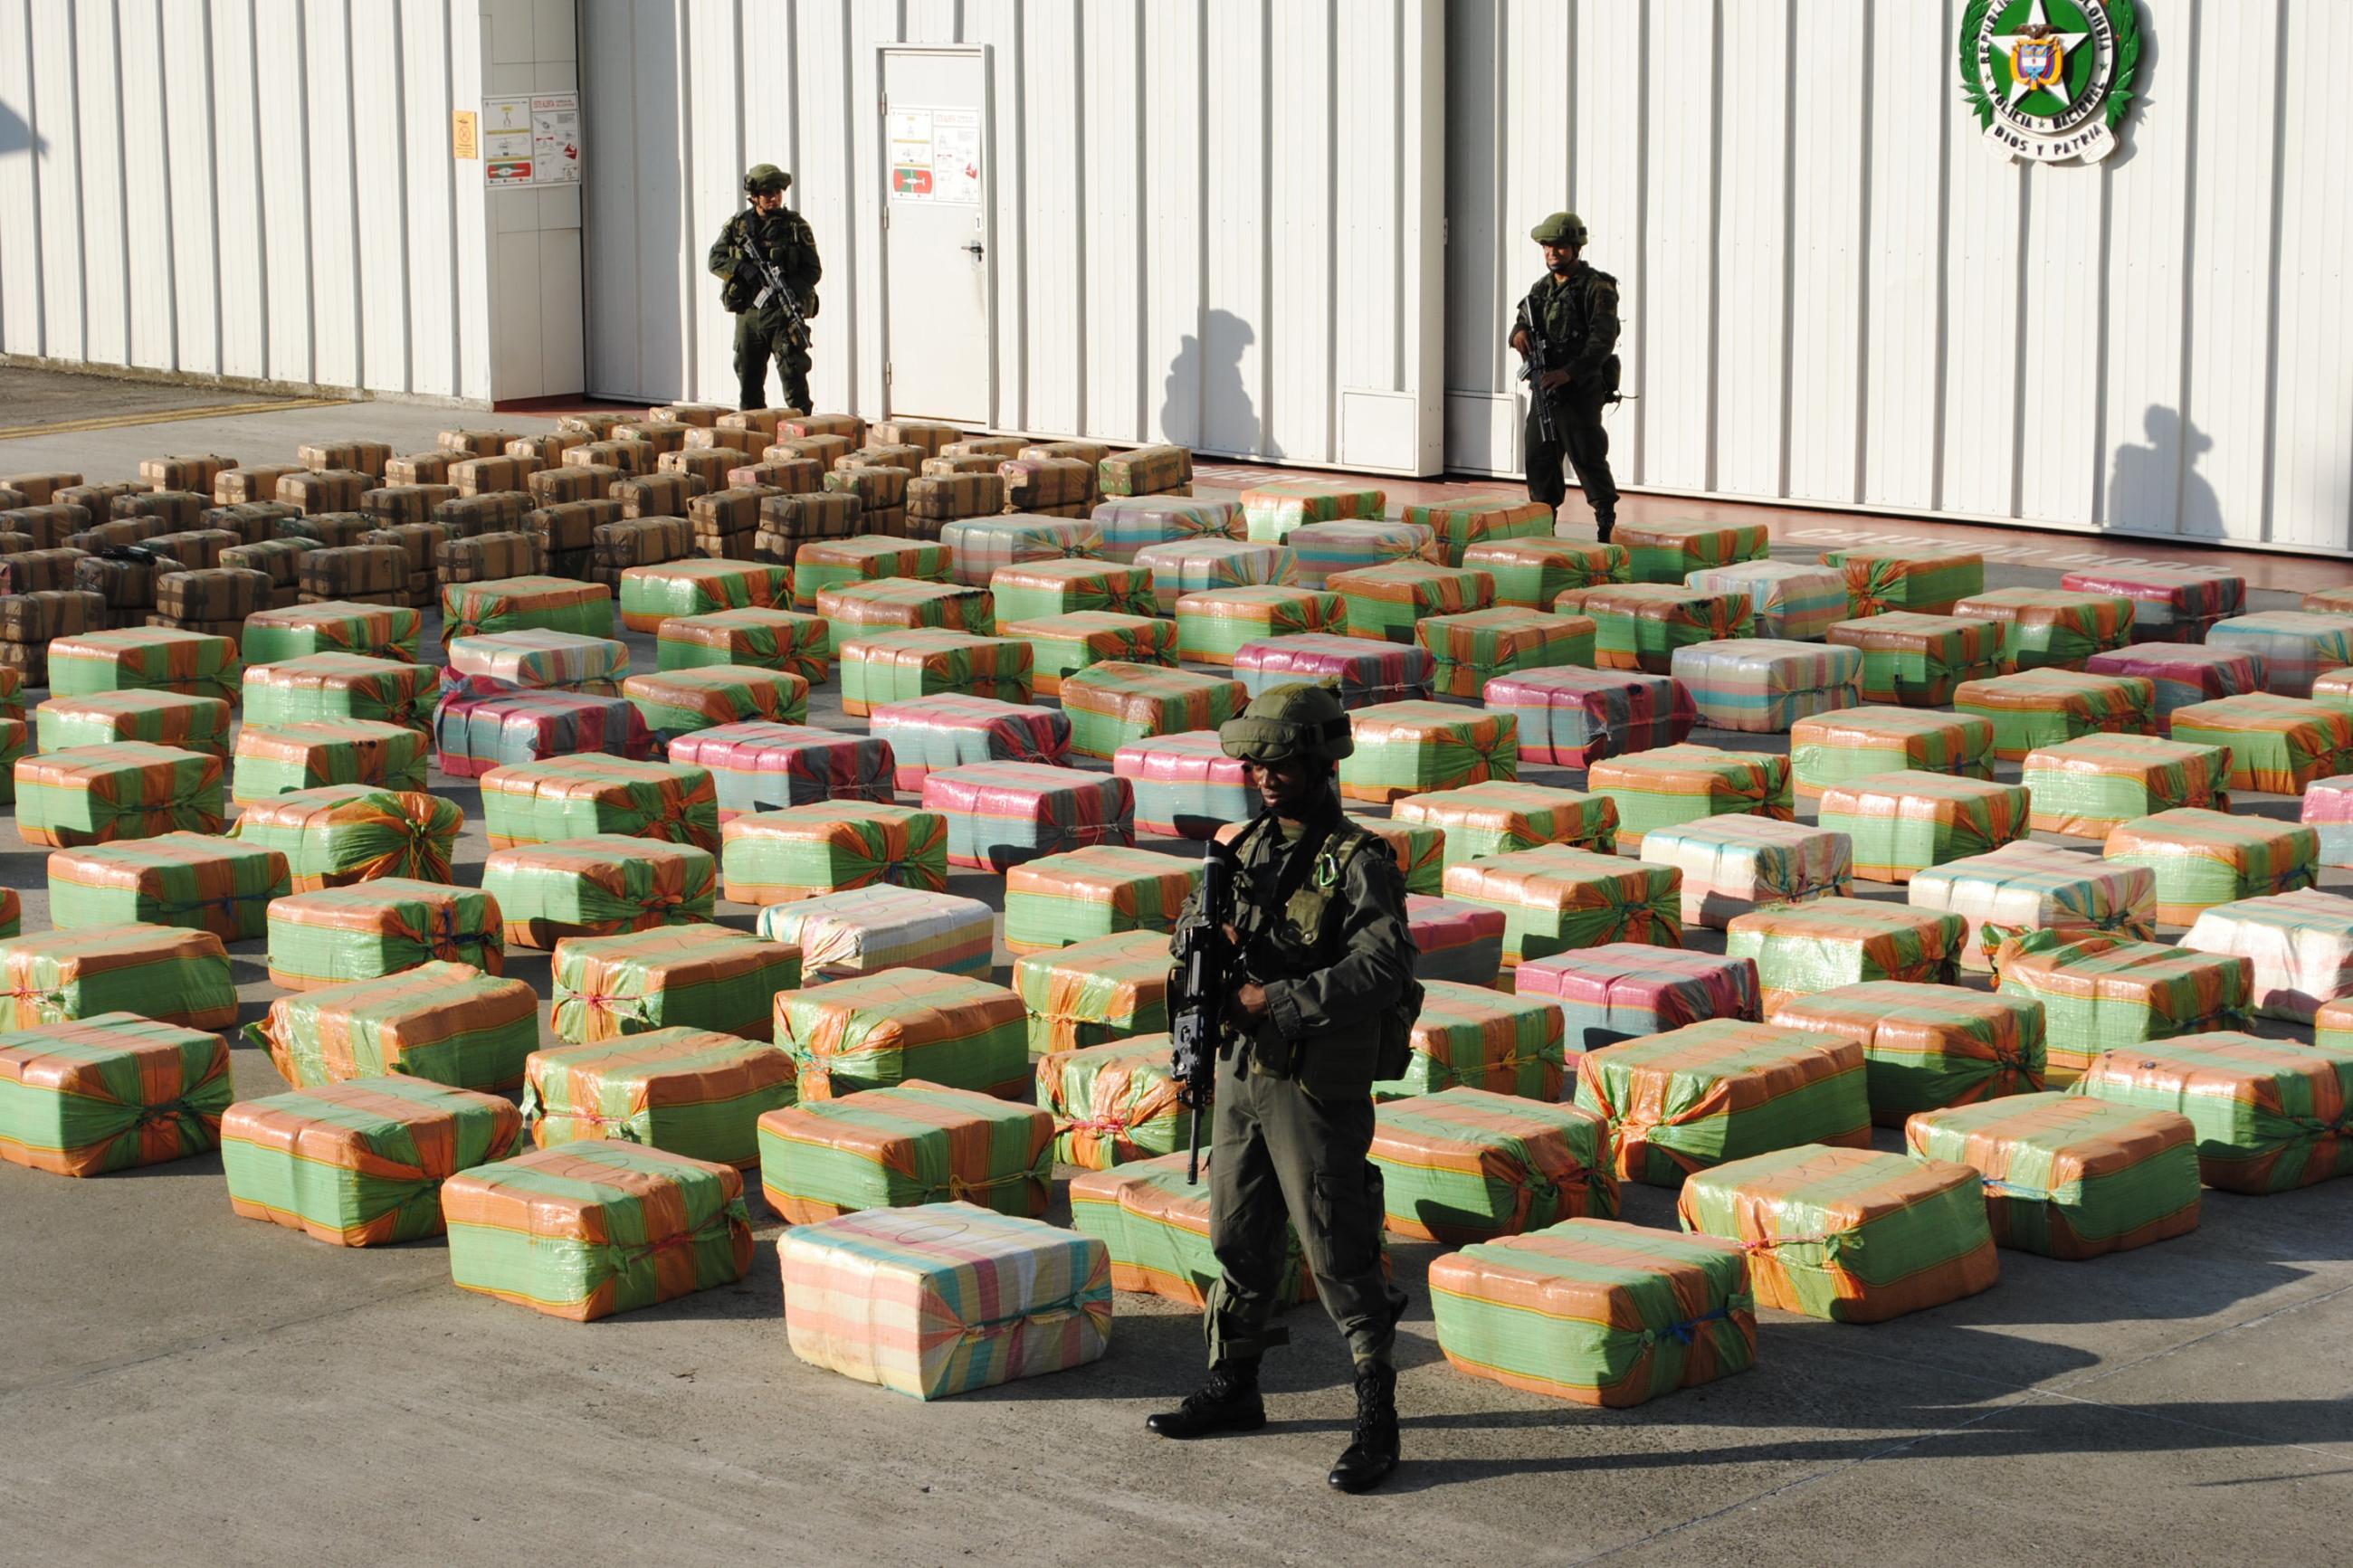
1567,336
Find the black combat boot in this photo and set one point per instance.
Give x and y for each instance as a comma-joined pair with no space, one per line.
1372,1451
1229,1402
1601,527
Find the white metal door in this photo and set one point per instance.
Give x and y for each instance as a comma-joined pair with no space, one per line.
939,299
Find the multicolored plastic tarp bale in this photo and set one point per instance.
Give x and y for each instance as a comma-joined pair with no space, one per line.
2043,707
1789,601
1212,628
146,659
444,1021
1721,1089
340,834
339,625
760,766
677,702
1063,645
1903,822
2328,812
1130,523
158,718
1468,650
2100,994
199,880
525,604
1556,897
1623,991
1835,748
1116,1105
824,564
1419,851
338,688
1199,565
1639,626
804,851
688,1091
571,797
271,762
2270,1115
1272,509
109,1092
651,595
1033,590
1732,865
1916,661
1327,549
2205,857
949,731
2050,629
484,725
1155,1222
878,1031
1385,602
1454,942
1366,673
1475,1037
169,973
1927,581
2086,787
542,660
1849,1235
980,545
897,1148
1531,573
1764,687
2025,887
97,794
1678,784
1095,891
694,977
898,666
360,1163
1462,1165
1671,551
1185,786
763,639
599,885
1001,813
2296,645
1573,717
1501,815
2270,745
865,930
590,1229
2301,945
945,1300
382,927
1090,993
2183,674
2068,1176
855,612
2169,604
1413,747
1596,1313
1926,1047
1820,946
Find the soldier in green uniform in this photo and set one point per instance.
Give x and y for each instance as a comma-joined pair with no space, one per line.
1575,307
1323,1007
764,329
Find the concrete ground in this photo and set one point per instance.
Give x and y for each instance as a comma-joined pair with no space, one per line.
189,1388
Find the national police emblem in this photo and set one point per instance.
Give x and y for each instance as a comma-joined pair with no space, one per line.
2051,79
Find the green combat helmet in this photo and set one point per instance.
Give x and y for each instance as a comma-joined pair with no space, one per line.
1561,228
762,178
1286,721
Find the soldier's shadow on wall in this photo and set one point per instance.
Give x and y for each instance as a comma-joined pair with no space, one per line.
2156,485
1203,403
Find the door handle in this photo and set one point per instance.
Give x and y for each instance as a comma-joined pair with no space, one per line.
973,248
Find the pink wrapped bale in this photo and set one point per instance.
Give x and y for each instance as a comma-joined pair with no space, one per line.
1368,672
1185,786
1732,866
1002,814
950,731
2175,604
1454,942
2183,673
2300,944
1623,991
1572,718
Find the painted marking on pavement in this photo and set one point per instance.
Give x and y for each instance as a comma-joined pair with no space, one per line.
170,415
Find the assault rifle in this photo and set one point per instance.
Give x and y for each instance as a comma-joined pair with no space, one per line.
1205,978
1534,367
775,282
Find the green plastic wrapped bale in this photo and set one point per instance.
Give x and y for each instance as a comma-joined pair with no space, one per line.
2037,707
1062,646
858,612
896,666
1834,748
804,851
571,797
602,885
1927,581
1113,1104
97,795
1670,551
1555,898
1849,1235
339,834
1109,988
1413,747
878,1031
378,631
825,563
2203,859
337,687
2272,745
2100,994
199,880
443,1021
145,658
169,973
1476,1037
2068,1176
1464,523
1720,1089
2270,1115
1531,573
896,1148
1094,891
1034,590
1596,1311
689,1091
1385,602
1670,785
1828,942
691,977
157,717
1470,650
524,604
1114,703
1502,815
1929,1047
373,929
2050,628
1154,1220
1212,626
2087,788
341,752
1902,823
109,1092
360,1163
675,702
761,639
1464,1166
1915,660
591,1229
651,595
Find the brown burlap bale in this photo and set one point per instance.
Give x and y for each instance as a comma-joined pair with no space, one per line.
794,475
416,543
196,473
406,503
52,612
707,463
328,528
196,548
280,559
874,488
847,425
789,522
212,594
178,508
944,498
30,660
251,521
251,482
421,468
697,415
546,451
483,476
995,447
1157,471
361,456
946,468
639,541
99,499
819,449
40,489
123,580
350,570
496,512
630,456
924,434
32,570
487,557
657,495
661,438
475,443
1033,484
328,490
570,527
875,454
757,424
50,524
591,481
590,426
10,543
116,532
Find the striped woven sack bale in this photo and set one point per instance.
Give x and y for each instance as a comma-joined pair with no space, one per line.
1799,604
1117,701
1531,573
1034,484
1555,898
1828,942
330,489
924,435
913,1144
1212,628
157,717
1272,509
1903,822
987,1299
1366,673
1916,660
834,564
869,930
1062,646
275,761
2068,1176
1573,717
853,612
1385,602
1928,1047
526,604
368,930
145,659
572,796
953,497
761,639
980,547
1720,1089
1623,991
1469,650
651,595
443,1021
2333,1024
1672,785
1199,565
897,667
1467,522
1002,814
1475,1037
1732,865
693,977
684,1092
807,851
2301,945
1130,523
2087,787
1458,942
2328,812
360,1163
1669,551
601,885
2270,1115
1462,1165
380,631
2099,993
2025,887
1090,993
1327,549
2273,745
758,765
1849,1235
1146,470
2050,629
2043,707
1596,1313
1185,785
1116,1105
1501,815
338,687
340,834
166,973
1639,626
1412,748
1831,749
1922,581
2326,602
1096,891
2177,605
789,523
199,880
540,660
590,1229
97,795
481,724
2205,857
110,1092
1153,1217
2189,674
1032,590
681,701
949,731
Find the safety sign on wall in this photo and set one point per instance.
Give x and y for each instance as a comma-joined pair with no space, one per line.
935,156
532,138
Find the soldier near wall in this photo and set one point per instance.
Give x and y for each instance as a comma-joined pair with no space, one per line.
1573,308
767,258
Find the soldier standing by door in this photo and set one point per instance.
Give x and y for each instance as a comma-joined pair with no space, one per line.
769,326
1574,308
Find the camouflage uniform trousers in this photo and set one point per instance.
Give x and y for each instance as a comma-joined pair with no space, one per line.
1579,437
761,336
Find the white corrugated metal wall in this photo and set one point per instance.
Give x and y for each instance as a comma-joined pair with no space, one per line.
1837,292
259,189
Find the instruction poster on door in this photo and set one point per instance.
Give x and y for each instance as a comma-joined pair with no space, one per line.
532,138
935,156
